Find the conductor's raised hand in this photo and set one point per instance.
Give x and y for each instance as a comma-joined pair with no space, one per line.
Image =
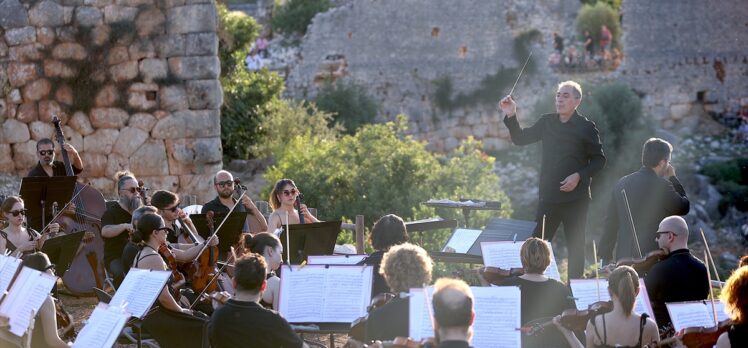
570,183
508,106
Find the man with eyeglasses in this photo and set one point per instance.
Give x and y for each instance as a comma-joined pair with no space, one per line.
116,223
224,184
47,166
653,193
679,276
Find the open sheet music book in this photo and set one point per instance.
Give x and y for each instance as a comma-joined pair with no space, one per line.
497,316
462,239
585,294
695,314
9,266
324,294
506,255
103,327
139,290
26,295
335,259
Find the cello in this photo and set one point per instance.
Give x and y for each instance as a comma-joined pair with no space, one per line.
84,214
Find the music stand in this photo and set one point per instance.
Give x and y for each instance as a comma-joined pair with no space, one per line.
498,230
40,193
62,250
229,233
310,239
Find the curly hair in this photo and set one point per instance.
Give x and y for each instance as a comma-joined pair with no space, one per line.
733,295
389,230
406,266
535,255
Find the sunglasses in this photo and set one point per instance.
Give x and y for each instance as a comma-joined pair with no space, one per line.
225,183
15,213
291,192
132,190
172,209
46,152
657,235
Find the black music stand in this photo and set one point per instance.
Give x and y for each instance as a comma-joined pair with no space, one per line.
230,232
310,239
499,230
40,193
62,250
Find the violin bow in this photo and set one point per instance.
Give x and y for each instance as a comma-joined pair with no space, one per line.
631,222
711,260
215,232
59,212
711,291
597,273
288,244
542,229
215,276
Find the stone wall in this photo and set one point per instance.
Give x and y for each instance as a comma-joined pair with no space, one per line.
135,83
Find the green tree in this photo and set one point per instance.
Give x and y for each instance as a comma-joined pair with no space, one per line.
349,104
592,17
295,15
236,33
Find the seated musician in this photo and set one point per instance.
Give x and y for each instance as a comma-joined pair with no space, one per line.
620,327
185,234
735,297
116,223
404,266
388,231
679,276
44,333
224,185
131,249
269,246
453,313
47,166
242,321
282,199
17,238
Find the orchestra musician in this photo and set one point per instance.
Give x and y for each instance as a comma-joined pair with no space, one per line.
282,200
47,166
242,321
269,246
16,237
223,182
735,297
116,223
572,155
131,249
167,204
453,313
679,276
654,193
387,232
621,327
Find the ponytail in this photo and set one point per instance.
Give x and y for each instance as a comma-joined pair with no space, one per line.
624,283
257,243
146,225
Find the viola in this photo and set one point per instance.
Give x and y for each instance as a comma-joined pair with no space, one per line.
496,275
573,319
65,328
205,264
696,337
177,277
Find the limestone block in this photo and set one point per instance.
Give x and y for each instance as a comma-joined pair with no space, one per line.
104,184
678,111
150,22
117,55
75,2
14,14
95,164
37,90
170,46
45,36
24,155
116,163
40,130
25,53
3,109
27,112
169,183
202,44
199,185
67,34
100,141
195,68
100,34
108,118
6,157
114,13
143,121
20,74
107,96
81,124
20,36
142,96
3,49
188,124
15,131
189,156
130,139
142,49
72,137
133,3
174,98
173,3
124,72
50,108
152,69
191,19
69,50
46,13
56,68
204,94
64,95
67,14
150,159
87,16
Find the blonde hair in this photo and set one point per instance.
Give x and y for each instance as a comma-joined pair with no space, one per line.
734,295
573,84
451,310
406,266
535,255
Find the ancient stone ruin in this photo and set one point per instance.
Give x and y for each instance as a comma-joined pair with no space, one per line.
135,83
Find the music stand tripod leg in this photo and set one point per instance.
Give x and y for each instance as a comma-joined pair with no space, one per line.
466,215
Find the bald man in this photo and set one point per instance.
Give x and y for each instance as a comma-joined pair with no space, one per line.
453,313
679,276
223,181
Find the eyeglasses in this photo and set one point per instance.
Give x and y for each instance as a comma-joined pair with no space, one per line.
166,229
46,152
172,209
225,183
132,190
657,235
291,192
15,213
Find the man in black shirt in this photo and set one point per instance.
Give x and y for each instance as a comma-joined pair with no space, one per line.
679,276
453,313
224,184
47,166
653,193
242,321
116,224
572,154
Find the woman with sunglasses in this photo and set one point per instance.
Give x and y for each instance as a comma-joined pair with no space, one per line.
282,199
16,237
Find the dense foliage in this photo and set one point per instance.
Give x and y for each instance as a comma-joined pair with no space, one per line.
349,104
592,17
294,16
731,180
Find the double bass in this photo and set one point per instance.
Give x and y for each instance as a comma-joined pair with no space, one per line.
84,214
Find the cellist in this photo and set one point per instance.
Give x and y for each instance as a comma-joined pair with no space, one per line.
283,198
47,166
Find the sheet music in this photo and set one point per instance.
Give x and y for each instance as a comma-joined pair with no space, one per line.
103,327
506,255
26,296
585,294
325,294
462,239
8,267
139,290
335,259
694,314
419,322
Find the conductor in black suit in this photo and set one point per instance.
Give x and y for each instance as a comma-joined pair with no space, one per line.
653,193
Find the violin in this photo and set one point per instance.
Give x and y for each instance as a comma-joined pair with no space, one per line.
496,275
65,328
573,319
205,264
143,192
380,300
696,337
176,276
640,265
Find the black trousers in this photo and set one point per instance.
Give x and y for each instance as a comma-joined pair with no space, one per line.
574,217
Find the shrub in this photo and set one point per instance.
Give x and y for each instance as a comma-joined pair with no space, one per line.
295,15
236,33
349,104
731,180
592,17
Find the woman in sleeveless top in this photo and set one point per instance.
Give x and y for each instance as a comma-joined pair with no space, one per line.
282,199
269,246
735,297
16,237
621,327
